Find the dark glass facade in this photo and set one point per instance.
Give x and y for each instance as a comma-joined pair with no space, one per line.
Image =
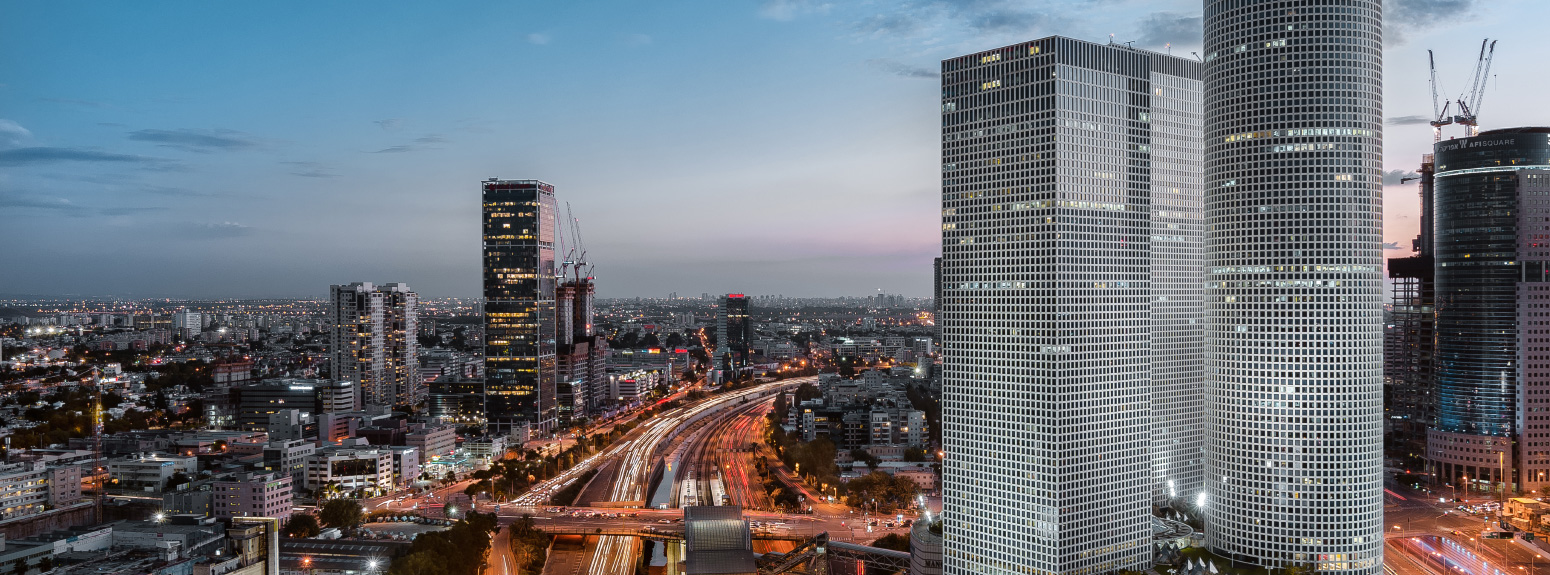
519,309
1478,270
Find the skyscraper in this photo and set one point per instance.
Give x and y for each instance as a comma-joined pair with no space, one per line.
734,333
1409,344
1492,202
401,382
1294,285
1070,185
582,354
519,312
373,342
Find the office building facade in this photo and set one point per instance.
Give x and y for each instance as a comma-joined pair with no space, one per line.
1067,166
519,307
1294,285
734,333
1491,205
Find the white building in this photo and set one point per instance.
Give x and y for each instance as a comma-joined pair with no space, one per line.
351,469
374,341
1294,286
1061,159
149,471
30,487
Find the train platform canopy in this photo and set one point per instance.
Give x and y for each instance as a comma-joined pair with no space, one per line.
717,541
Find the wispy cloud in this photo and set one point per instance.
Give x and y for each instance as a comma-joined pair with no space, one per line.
174,192
48,155
196,140
1400,17
74,102
1407,120
1391,245
221,230
787,10
311,170
12,133
538,38
1396,177
1164,28
65,206
426,142
902,69
388,124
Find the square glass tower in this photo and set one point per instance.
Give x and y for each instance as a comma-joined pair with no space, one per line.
1070,308
519,310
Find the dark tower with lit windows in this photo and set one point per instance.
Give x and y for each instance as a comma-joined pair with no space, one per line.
519,308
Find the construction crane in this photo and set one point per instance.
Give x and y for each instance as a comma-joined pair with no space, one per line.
1440,115
1469,110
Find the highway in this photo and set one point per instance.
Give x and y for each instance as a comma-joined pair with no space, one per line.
637,457
1420,525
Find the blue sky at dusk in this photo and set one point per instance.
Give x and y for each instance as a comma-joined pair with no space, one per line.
197,149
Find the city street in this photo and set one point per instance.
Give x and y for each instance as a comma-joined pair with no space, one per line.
1421,526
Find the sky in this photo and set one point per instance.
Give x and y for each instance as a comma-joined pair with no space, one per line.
270,149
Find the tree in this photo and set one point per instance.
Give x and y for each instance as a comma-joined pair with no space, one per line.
177,479
341,513
866,457
301,525
893,541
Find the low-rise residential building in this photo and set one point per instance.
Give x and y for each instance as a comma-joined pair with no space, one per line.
149,471
289,457
32,487
252,495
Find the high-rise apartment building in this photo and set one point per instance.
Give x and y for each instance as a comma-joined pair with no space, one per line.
401,381
1492,202
1070,269
1294,284
734,333
373,342
519,308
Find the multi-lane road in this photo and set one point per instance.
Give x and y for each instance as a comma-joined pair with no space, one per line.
1427,536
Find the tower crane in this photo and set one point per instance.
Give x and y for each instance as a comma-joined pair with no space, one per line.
1469,110
1440,116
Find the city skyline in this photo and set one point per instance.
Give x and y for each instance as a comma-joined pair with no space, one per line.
152,155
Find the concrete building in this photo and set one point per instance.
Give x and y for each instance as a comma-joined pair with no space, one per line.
373,342
289,458
1492,199
1410,342
148,471
31,487
252,495
351,468
1294,286
519,309
1070,180
253,404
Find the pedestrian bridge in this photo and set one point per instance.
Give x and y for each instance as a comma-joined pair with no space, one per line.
674,533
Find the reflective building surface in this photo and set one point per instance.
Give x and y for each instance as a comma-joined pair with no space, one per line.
1070,211
1492,211
519,308
1294,284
